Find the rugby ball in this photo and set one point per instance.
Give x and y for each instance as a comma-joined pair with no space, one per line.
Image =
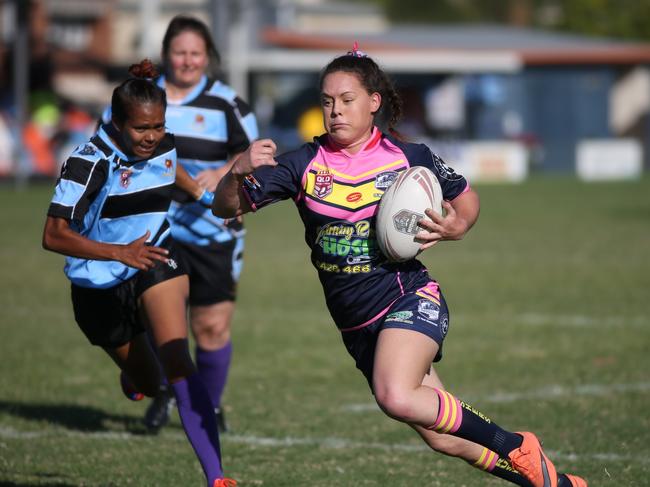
401,208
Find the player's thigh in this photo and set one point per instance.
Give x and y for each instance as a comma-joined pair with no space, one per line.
164,306
402,359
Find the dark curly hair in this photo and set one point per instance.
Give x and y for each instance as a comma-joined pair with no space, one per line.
139,88
374,80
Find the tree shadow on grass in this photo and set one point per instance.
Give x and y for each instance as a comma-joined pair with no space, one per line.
74,417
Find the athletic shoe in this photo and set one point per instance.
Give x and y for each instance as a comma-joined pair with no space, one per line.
576,481
530,461
224,483
221,420
159,411
129,389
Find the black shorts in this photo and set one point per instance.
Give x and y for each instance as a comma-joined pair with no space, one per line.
213,270
424,311
110,317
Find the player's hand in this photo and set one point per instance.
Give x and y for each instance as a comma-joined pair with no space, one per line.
259,153
438,227
141,256
209,179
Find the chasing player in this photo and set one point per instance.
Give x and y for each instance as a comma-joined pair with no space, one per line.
109,217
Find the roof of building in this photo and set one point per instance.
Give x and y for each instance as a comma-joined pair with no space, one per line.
532,46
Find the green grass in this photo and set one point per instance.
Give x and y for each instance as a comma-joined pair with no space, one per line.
550,302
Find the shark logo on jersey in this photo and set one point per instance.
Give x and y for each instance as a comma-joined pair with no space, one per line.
125,178
385,179
444,171
324,184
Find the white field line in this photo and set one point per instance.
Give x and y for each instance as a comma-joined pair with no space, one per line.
582,321
551,392
8,433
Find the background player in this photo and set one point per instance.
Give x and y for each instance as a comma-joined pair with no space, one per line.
392,316
211,125
109,216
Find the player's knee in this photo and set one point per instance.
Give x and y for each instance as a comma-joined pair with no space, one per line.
212,334
395,402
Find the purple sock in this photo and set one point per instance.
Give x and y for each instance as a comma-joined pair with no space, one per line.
197,416
213,369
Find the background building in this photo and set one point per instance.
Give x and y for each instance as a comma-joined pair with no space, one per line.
504,100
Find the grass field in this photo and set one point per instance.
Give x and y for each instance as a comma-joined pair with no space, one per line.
550,331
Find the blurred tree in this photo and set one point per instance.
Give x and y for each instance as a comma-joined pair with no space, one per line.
624,19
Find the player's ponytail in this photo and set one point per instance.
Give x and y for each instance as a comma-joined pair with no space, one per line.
374,80
140,88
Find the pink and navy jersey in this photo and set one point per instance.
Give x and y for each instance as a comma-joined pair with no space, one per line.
337,194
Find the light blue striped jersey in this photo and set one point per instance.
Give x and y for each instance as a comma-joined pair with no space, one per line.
113,199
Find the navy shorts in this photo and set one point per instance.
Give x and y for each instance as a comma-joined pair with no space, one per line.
110,317
213,270
424,311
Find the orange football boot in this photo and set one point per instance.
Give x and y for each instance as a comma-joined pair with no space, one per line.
224,483
529,459
576,481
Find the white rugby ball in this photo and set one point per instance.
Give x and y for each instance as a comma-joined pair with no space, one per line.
401,208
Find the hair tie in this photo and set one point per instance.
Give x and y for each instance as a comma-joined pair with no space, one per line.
356,52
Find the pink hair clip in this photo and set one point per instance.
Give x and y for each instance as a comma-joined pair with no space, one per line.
356,52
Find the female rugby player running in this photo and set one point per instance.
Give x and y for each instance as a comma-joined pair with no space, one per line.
211,125
109,217
392,316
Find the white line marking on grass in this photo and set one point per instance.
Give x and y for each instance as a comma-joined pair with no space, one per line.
582,321
554,391
8,433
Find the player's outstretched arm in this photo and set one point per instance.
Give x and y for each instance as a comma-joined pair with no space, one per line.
191,186
230,200
59,237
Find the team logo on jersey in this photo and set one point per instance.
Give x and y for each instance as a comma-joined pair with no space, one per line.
169,166
444,170
87,150
444,325
400,317
383,180
352,197
324,184
429,310
199,123
125,178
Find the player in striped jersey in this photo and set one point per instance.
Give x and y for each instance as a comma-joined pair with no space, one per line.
211,125
109,217
392,316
